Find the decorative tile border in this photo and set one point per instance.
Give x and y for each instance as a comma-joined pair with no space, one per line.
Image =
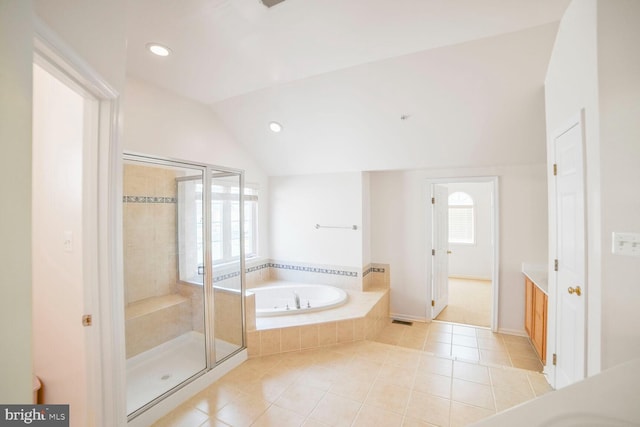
314,270
373,270
294,268
148,199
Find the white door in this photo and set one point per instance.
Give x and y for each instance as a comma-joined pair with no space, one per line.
440,248
570,256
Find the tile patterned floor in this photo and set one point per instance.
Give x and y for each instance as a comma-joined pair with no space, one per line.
371,383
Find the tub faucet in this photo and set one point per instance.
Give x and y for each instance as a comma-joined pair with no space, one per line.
297,299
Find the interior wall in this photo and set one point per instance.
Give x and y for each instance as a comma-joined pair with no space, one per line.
619,95
300,202
16,41
571,84
163,124
474,260
400,224
366,218
58,270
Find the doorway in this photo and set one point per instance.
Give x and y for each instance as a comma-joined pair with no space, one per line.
464,251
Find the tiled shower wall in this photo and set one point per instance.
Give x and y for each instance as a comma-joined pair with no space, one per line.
149,226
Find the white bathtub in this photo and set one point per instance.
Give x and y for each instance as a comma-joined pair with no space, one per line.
280,299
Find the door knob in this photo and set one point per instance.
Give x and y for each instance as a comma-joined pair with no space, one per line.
575,290
449,252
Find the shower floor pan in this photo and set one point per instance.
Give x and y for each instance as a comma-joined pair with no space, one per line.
158,370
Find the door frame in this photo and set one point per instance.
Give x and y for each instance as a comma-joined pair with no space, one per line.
101,228
495,234
553,306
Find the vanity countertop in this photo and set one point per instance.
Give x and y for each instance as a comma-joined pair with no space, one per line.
538,274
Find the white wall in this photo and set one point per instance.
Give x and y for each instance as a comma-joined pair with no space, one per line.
570,85
16,41
160,123
299,202
619,92
58,275
595,65
474,260
366,218
400,221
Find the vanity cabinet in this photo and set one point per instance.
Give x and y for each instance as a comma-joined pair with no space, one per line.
535,321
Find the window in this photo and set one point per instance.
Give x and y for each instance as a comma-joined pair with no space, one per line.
225,225
461,220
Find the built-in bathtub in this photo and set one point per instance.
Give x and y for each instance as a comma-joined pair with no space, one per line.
284,298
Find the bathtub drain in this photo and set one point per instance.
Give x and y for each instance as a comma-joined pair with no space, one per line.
165,377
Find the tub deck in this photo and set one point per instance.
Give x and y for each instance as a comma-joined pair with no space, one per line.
364,315
357,306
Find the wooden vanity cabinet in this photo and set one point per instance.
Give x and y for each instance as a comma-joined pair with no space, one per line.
535,321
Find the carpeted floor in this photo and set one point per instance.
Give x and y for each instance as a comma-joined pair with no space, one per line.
469,302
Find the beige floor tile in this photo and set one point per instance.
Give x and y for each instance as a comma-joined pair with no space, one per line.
413,422
463,415
444,337
242,412
515,339
397,375
182,417
388,396
415,343
464,330
335,411
352,389
471,372
473,394
300,399
313,423
214,422
539,383
213,398
441,327
403,357
526,363
466,353
391,339
372,416
495,357
435,365
437,385
506,377
464,340
491,344
278,417
438,348
317,377
507,397
428,408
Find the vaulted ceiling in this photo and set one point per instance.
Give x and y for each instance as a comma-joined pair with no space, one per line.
359,84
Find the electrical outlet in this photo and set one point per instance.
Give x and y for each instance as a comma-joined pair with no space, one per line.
626,244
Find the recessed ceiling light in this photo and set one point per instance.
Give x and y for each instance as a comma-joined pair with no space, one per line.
275,126
158,49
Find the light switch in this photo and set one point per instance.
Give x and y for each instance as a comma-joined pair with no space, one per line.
67,242
626,244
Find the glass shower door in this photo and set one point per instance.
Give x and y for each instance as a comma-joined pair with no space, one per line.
164,310
227,255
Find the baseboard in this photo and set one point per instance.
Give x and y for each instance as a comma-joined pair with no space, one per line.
408,318
517,332
460,276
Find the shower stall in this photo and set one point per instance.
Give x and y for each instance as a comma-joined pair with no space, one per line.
183,252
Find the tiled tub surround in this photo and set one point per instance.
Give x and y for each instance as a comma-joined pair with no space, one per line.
371,276
363,317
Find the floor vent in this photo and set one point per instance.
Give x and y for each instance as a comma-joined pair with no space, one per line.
402,322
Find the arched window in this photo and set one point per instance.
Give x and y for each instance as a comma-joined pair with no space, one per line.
461,221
